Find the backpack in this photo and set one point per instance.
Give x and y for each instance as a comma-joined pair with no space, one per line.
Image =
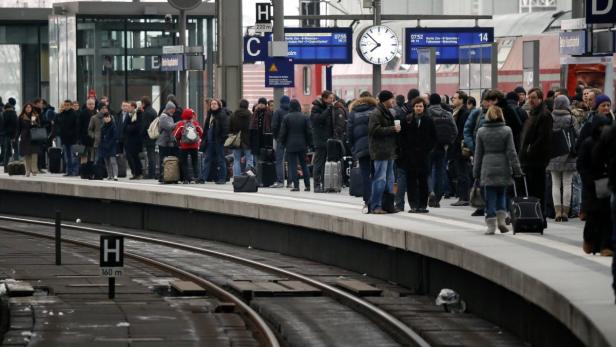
189,133
154,129
446,130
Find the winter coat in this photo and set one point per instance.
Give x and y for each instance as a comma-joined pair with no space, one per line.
296,132
166,125
512,120
177,133
83,124
133,141
357,125
9,121
240,121
322,123
94,128
66,123
605,154
460,118
475,121
26,147
417,139
149,114
108,140
277,119
446,129
220,122
562,120
119,120
535,150
495,157
382,137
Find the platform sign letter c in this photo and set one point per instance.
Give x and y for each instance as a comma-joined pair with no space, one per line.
249,50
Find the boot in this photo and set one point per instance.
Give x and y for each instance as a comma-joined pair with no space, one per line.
564,217
558,217
501,217
491,223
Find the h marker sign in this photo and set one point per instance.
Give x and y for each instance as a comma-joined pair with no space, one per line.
600,11
111,255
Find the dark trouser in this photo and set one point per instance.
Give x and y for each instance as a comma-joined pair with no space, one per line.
134,162
293,158
280,162
215,152
150,147
194,158
162,153
401,180
535,178
614,241
42,157
463,170
417,188
7,150
366,168
320,154
438,163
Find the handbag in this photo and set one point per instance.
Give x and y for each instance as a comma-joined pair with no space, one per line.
38,135
476,198
78,149
234,140
602,189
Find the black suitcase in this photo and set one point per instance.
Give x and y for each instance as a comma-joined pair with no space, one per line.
122,165
335,150
86,171
356,184
55,159
526,215
99,171
16,168
268,140
387,204
267,154
245,184
347,165
266,173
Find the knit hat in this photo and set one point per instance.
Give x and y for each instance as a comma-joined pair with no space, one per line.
295,106
187,114
601,98
561,102
170,105
262,101
12,101
244,104
284,100
512,96
385,95
519,90
435,99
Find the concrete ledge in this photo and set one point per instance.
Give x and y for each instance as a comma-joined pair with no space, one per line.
546,271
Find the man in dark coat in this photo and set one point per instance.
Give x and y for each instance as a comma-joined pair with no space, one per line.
321,116
83,137
277,120
133,140
9,126
446,134
66,123
296,136
383,142
535,150
260,125
462,163
512,120
149,114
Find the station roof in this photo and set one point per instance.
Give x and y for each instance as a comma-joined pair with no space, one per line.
114,8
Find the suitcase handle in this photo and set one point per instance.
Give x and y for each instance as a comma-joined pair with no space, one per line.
515,189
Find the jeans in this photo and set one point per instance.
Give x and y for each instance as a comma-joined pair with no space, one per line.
194,158
293,157
576,194
463,170
237,161
613,203
150,147
111,164
417,189
280,162
164,152
365,167
70,161
495,200
215,152
382,179
438,163
320,154
401,179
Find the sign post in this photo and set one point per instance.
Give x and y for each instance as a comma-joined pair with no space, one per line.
111,259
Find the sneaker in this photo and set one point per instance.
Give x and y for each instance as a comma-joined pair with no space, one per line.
460,203
365,209
115,178
379,211
277,185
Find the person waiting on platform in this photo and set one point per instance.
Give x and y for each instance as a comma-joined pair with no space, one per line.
240,124
188,134
28,119
296,137
495,162
108,146
217,127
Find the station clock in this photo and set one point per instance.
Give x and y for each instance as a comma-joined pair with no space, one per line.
377,44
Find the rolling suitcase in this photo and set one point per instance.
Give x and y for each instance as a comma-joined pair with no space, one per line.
54,154
171,169
526,215
266,173
332,181
99,171
356,184
245,184
16,168
122,165
86,170
347,165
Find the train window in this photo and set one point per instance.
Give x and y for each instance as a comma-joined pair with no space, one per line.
307,80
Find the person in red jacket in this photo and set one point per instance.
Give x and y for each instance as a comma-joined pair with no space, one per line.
188,134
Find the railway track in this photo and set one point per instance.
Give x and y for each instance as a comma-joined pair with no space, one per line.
379,326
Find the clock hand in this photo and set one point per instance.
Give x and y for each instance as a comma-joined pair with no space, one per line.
375,47
373,39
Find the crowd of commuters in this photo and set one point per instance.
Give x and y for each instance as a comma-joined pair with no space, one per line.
422,148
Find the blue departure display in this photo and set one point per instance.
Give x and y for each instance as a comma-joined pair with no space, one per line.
447,42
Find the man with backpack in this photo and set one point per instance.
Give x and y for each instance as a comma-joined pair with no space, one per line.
446,133
188,134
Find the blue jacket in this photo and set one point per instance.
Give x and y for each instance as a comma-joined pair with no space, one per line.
109,140
471,127
357,125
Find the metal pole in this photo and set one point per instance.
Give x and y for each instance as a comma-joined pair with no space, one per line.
278,31
376,69
182,85
210,57
111,287
58,239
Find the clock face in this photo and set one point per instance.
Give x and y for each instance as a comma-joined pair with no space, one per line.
377,44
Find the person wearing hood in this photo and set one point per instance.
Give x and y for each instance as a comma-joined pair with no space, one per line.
322,118
562,167
357,135
9,128
260,124
83,133
601,109
240,124
188,146
296,136
512,100
94,131
277,120
217,130
167,145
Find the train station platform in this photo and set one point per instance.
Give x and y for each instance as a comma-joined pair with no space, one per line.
549,271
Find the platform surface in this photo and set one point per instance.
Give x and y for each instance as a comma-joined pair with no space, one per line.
550,271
